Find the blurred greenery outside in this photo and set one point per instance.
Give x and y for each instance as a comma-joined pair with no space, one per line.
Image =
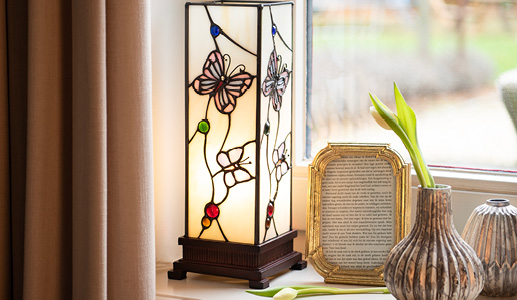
485,127
501,48
492,40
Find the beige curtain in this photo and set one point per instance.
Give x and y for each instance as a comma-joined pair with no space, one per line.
76,185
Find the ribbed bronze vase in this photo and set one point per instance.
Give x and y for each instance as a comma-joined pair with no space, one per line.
433,261
492,231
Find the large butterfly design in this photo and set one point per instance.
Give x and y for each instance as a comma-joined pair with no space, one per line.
231,164
280,160
276,80
224,88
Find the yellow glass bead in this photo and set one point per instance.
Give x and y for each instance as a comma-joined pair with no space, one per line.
206,222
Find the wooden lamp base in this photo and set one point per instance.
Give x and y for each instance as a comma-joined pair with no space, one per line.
252,262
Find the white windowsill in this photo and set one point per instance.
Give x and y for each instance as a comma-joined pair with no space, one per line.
480,181
207,287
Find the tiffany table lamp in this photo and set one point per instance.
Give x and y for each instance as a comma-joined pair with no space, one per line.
238,90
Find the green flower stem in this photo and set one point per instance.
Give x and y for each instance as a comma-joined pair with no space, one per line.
270,292
427,174
337,291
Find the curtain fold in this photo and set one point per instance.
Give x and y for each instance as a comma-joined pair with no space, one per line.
76,178
47,246
17,49
130,219
90,184
5,207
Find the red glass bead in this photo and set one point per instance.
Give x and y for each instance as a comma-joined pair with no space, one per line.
270,209
212,211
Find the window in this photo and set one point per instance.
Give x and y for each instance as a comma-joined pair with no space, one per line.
450,60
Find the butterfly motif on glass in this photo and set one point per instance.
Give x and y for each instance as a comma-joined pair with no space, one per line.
280,161
224,88
275,83
231,163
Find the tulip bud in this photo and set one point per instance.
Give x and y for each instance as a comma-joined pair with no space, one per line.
285,294
377,117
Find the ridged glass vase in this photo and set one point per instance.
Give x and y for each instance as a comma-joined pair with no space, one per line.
433,261
492,232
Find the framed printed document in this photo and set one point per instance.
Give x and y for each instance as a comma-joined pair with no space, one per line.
359,204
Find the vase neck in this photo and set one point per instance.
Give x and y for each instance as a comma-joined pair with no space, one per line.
434,205
498,202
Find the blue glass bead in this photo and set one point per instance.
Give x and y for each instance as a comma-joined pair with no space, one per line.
273,30
215,30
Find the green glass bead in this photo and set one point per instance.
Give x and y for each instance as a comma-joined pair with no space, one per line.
267,128
203,127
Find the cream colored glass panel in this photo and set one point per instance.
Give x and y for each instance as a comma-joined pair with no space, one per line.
237,203
282,17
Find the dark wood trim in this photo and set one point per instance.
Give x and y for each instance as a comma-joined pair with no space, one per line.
253,262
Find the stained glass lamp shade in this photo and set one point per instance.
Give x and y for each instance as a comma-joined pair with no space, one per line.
238,141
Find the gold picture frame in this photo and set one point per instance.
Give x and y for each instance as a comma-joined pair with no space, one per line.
359,206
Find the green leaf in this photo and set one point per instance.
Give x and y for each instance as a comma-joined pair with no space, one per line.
407,120
338,291
406,115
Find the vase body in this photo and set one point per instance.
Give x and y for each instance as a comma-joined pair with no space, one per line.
492,233
433,261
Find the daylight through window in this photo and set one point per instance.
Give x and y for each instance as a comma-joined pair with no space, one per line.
455,61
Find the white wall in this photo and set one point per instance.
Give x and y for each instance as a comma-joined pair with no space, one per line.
168,36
